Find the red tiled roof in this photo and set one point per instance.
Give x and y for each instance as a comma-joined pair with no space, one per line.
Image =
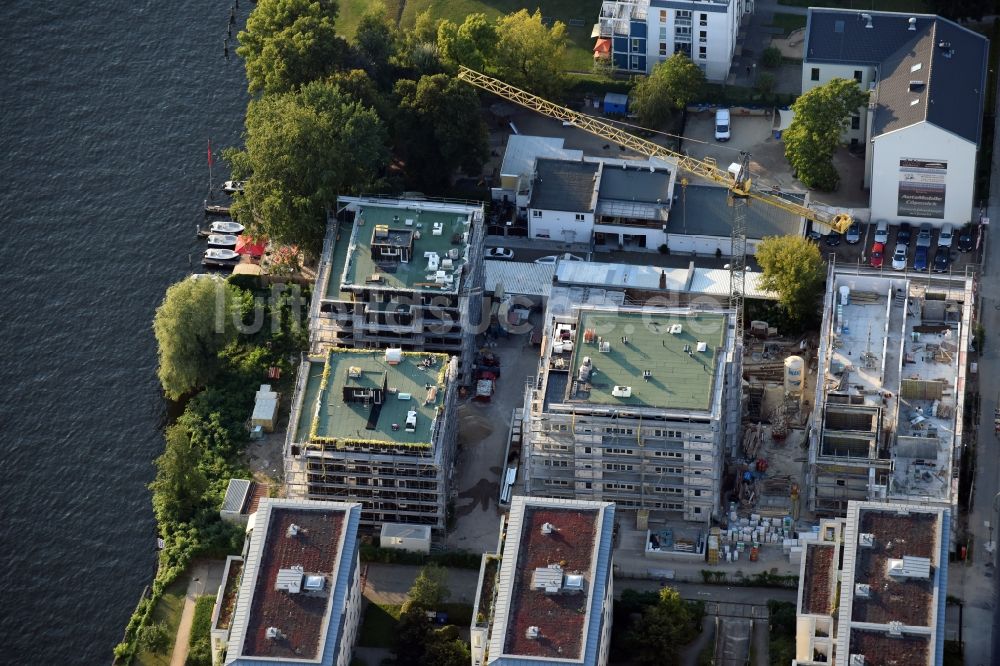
559,617
299,617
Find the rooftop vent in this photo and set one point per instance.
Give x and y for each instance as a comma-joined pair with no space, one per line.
944,45
605,346
895,628
289,580
393,355
292,531
866,540
533,633
585,369
354,372
646,374
548,578
622,391
411,421
676,329
274,634
909,567
867,18
548,528
381,231
702,347
857,660
913,24
863,590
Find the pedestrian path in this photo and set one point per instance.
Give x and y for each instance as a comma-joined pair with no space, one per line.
206,576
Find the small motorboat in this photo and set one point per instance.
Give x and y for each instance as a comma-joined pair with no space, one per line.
226,241
221,254
233,186
214,209
226,227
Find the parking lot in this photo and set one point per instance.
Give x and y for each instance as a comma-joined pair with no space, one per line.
768,165
859,254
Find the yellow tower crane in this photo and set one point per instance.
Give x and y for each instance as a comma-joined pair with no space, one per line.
736,178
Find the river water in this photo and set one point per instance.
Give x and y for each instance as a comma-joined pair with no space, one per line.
105,110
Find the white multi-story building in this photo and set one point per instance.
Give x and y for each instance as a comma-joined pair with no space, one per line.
873,588
634,406
297,589
545,596
644,33
921,129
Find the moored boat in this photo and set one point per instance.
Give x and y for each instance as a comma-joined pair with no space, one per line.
225,241
221,254
226,227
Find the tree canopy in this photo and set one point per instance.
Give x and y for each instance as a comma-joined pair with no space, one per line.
792,267
302,150
439,129
429,589
671,85
531,55
473,43
664,628
179,484
821,116
194,322
288,43
377,40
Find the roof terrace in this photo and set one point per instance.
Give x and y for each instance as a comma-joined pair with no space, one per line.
412,245
366,396
293,625
653,359
820,579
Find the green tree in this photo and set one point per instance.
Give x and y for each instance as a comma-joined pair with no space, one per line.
792,267
302,150
410,642
418,51
771,57
287,43
664,628
438,129
671,85
445,648
377,40
529,54
154,638
473,43
194,322
179,484
765,83
812,138
429,589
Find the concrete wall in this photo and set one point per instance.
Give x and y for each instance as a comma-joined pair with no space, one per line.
926,142
560,225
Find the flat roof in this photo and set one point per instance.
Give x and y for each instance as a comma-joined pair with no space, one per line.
711,281
708,213
820,570
522,150
326,416
680,376
518,277
323,542
439,228
568,623
563,185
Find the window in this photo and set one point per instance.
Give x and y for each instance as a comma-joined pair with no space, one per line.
667,470
619,486
696,493
703,36
586,449
557,463
669,434
536,213
668,489
702,52
669,454
814,74
857,75
635,46
663,48
542,233
703,19
619,452
587,485
682,31
697,457
841,482
663,16
559,427
855,122
663,33
556,482
618,431
697,509
579,217
634,62
555,447
684,14
618,467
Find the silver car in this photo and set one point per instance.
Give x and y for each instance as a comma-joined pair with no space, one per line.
924,235
946,235
882,232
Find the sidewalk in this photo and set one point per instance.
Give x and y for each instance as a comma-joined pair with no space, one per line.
206,576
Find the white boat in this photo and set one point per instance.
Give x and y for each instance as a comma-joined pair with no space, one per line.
220,254
233,186
226,227
227,241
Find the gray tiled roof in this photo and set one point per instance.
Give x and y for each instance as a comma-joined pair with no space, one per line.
952,63
709,214
564,185
635,184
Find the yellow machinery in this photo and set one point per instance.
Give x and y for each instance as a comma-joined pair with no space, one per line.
736,178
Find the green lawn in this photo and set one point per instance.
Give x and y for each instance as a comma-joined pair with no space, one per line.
168,609
788,22
378,627
579,58
877,5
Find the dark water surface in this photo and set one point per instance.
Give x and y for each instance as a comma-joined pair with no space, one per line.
105,110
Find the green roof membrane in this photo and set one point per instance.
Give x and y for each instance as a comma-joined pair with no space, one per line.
431,231
680,377
327,415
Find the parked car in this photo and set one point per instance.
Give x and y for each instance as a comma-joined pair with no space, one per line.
920,258
722,125
552,258
853,235
946,235
966,241
899,257
924,235
499,253
878,250
833,239
903,235
882,232
942,259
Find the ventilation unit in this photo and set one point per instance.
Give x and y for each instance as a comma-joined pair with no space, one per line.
548,528
411,421
622,391
866,540
533,633
863,591
676,329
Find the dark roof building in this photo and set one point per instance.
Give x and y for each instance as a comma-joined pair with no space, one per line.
703,210
565,185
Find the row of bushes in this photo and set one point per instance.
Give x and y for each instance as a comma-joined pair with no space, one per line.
203,452
455,559
762,579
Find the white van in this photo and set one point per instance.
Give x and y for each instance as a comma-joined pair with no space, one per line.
722,125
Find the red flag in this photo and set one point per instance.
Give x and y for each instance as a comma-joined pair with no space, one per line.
209,152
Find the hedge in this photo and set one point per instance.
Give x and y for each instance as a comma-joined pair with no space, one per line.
457,559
